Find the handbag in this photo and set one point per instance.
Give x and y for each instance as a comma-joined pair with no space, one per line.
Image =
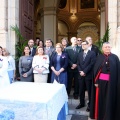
45,71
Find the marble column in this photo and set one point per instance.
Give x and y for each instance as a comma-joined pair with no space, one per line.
13,19
102,19
3,23
48,23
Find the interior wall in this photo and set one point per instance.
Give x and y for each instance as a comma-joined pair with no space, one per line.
88,29
62,31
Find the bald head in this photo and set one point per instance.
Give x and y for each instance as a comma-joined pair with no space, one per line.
73,41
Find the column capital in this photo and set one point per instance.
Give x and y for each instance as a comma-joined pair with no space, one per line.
48,11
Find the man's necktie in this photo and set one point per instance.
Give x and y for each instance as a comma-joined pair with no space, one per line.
84,55
74,49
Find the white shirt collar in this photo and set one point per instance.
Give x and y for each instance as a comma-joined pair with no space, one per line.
86,51
89,48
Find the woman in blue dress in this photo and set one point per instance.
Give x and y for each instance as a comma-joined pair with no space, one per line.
59,63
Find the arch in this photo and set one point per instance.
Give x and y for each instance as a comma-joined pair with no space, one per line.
92,20
65,21
88,29
62,30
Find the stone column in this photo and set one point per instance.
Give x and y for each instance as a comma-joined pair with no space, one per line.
13,19
102,19
112,19
48,23
3,23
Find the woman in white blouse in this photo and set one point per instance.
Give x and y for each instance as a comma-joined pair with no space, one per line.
40,66
4,79
11,64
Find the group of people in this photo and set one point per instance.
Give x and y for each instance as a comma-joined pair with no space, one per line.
80,64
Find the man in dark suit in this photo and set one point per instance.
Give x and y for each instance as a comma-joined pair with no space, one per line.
86,60
32,48
91,46
79,41
50,51
73,52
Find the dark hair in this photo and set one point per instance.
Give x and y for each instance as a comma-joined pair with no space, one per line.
39,43
48,39
37,38
24,49
85,41
0,47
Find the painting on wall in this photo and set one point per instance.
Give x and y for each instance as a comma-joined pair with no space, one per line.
87,5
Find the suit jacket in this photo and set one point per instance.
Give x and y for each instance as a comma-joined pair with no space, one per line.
95,49
63,61
49,52
72,57
33,52
87,64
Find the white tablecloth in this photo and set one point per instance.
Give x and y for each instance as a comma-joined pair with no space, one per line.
33,101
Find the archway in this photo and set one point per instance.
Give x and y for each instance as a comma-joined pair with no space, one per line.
88,29
62,30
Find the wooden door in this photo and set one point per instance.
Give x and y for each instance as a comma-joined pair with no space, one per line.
27,18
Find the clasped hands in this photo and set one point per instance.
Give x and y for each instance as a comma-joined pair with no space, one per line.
40,70
57,72
82,73
73,66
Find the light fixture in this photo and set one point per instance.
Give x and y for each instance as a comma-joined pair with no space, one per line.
73,17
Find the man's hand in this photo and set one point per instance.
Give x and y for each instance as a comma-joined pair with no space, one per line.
96,85
82,73
74,66
24,75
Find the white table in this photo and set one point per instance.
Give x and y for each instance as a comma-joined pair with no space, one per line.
33,101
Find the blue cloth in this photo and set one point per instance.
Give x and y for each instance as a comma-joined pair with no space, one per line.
62,114
58,63
7,115
33,104
62,78
11,74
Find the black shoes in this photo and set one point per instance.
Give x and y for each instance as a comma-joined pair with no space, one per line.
88,109
80,106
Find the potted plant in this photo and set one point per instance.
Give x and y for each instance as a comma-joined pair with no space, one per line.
105,38
19,47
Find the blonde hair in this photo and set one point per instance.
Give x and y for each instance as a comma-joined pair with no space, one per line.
7,53
61,46
38,48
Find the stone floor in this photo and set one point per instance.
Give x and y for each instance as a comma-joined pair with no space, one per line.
75,114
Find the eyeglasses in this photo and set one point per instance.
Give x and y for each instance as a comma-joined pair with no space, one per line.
79,40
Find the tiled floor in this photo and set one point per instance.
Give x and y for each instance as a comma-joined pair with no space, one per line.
75,114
